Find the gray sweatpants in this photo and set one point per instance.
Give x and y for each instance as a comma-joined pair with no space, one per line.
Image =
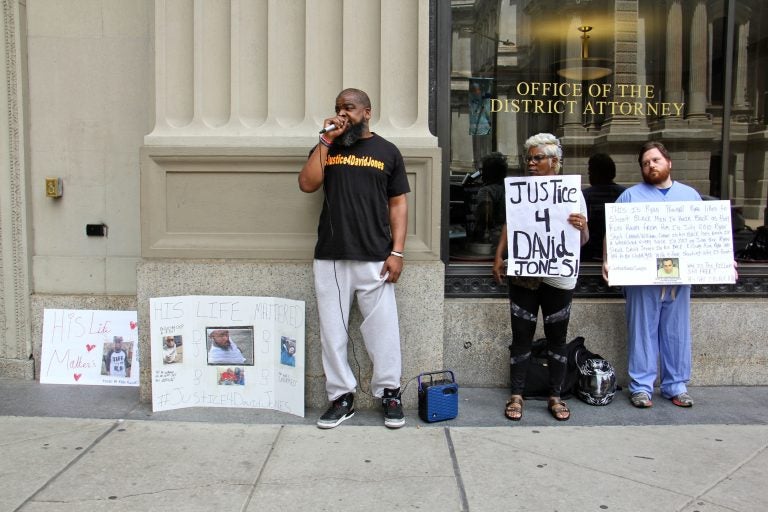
337,283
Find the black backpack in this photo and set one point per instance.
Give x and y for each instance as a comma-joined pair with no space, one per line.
537,379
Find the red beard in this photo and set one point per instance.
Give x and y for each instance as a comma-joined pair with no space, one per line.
656,178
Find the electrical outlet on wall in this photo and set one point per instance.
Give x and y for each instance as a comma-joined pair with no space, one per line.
96,229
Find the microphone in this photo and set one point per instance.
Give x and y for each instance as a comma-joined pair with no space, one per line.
328,128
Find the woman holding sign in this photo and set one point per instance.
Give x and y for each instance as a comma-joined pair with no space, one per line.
551,294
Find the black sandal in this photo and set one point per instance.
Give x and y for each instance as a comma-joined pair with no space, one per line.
514,408
558,409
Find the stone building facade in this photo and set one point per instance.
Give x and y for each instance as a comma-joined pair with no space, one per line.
181,126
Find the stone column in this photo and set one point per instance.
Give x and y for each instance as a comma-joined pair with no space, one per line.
697,76
404,79
15,339
238,72
673,91
740,85
629,65
572,118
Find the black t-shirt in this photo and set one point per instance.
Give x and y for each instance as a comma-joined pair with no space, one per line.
358,182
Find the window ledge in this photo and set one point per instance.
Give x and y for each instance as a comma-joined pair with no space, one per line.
476,281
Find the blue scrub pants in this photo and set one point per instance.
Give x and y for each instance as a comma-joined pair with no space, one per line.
659,329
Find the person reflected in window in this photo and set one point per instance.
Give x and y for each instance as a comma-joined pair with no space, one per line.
601,171
490,211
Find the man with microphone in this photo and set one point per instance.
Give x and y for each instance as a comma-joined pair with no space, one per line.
359,253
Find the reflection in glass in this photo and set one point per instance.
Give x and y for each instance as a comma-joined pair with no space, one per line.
674,74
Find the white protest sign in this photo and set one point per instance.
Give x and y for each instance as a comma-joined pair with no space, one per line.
221,351
90,347
540,240
677,242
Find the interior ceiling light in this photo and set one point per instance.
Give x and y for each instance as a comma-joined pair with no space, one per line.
586,67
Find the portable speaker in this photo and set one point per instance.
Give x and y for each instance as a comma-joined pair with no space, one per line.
438,396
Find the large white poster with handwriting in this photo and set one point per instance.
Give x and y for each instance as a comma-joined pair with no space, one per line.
221,351
540,240
94,347
678,242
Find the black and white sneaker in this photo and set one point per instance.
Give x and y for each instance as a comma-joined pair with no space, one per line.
341,409
393,408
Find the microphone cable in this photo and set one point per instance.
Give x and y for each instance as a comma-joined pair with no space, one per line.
350,342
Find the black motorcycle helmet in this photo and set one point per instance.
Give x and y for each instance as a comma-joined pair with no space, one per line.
597,382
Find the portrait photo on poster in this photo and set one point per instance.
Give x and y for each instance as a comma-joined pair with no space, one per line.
668,268
173,350
230,345
287,351
117,358
230,376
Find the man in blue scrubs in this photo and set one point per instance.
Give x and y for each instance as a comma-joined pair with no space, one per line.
658,316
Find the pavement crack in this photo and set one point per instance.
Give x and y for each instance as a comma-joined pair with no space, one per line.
256,482
589,468
158,492
69,465
457,472
724,478
56,434
377,479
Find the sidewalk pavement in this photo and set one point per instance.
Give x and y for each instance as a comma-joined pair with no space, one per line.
97,448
